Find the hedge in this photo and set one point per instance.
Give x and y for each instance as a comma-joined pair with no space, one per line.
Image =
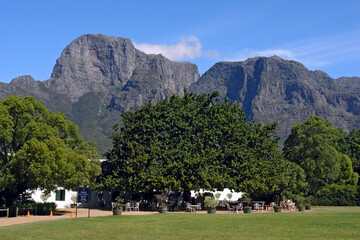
337,195
33,207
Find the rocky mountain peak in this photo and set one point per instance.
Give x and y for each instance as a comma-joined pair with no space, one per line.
274,89
91,62
95,63
26,82
97,77
350,83
26,79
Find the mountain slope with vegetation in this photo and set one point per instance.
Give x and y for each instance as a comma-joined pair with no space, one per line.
97,77
273,89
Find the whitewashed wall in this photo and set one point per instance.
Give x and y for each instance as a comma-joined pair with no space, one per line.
235,195
36,196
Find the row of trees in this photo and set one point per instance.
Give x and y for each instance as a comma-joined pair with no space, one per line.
180,144
200,142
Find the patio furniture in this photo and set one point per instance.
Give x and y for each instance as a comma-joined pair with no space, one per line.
197,207
127,206
257,207
291,206
239,207
189,208
283,204
229,208
137,206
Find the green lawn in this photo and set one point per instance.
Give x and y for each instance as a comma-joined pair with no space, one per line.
319,223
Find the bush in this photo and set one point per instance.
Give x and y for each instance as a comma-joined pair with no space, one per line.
336,195
217,195
119,203
33,207
299,199
45,208
210,202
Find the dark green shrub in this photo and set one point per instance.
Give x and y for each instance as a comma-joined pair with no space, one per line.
45,208
33,207
336,195
23,208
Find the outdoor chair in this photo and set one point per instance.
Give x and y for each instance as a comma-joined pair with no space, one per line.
188,207
229,208
127,207
292,206
137,206
239,207
198,208
257,207
262,206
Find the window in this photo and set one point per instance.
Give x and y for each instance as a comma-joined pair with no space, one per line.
60,195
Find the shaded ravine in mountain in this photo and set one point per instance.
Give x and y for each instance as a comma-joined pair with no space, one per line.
273,89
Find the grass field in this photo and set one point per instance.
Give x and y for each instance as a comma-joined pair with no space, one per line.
319,223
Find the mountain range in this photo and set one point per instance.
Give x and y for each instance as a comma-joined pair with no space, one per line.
97,77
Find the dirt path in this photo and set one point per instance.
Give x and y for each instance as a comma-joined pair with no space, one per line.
66,213
63,213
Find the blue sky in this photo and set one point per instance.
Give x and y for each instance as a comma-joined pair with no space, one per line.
323,35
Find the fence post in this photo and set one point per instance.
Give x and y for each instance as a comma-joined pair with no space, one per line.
7,212
17,211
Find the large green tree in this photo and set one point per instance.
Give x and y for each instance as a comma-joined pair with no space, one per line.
313,145
41,149
349,144
191,143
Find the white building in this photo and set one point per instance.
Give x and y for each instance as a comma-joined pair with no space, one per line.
62,197
223,194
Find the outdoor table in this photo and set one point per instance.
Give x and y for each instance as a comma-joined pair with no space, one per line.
196,207
233,205
260,203
267,207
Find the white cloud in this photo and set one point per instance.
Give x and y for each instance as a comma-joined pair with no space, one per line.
283,53
245,54
187,48
313,53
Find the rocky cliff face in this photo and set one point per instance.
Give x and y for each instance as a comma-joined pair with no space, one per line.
98,63
350,83
273,89
97,77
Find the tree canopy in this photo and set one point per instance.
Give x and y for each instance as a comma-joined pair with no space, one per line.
314,146
41,149
194,142
349,144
